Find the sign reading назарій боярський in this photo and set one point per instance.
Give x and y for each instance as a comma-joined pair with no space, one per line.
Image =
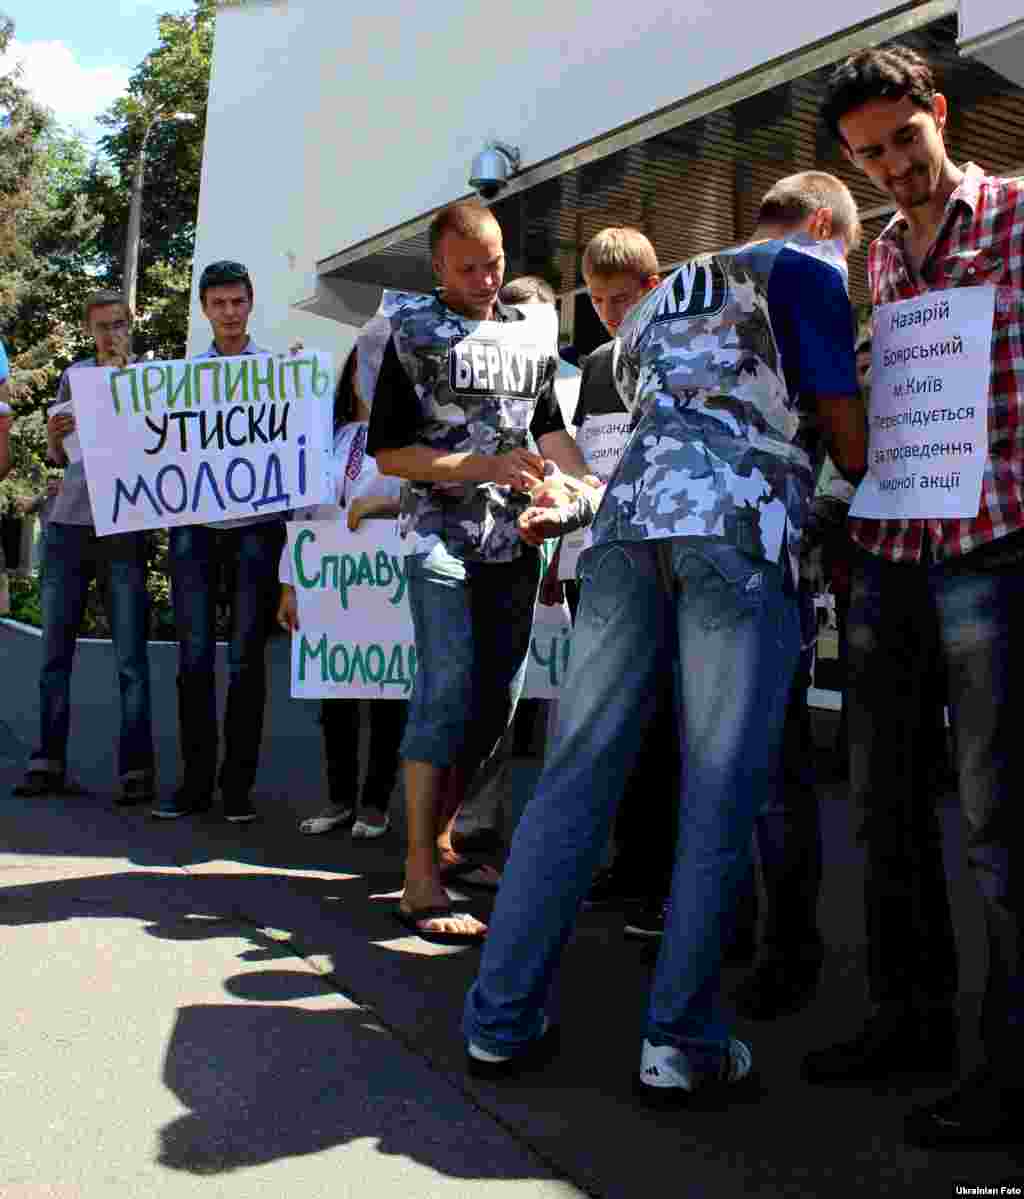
355,635
208,439
930,371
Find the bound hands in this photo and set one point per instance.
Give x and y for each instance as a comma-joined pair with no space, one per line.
559,505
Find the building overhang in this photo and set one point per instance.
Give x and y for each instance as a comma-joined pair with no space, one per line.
691,176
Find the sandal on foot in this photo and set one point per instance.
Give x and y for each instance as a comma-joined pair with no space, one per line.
314,825
363,830
411,922
459,872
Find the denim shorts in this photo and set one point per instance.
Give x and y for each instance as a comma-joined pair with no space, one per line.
472,622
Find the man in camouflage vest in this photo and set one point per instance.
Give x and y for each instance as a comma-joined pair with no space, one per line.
464,383
730,367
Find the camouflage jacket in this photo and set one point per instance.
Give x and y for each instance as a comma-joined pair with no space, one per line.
718,446
478,383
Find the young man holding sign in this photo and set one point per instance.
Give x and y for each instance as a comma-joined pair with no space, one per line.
74,554
463,383
941,537
248,548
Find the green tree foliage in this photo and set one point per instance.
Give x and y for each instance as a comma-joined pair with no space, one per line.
173,78
45,236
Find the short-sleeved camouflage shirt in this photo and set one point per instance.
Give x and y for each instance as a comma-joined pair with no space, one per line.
720,441
477,384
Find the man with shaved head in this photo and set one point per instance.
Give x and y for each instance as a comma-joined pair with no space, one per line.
464,411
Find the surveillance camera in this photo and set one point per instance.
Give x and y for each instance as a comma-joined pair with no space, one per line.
492,167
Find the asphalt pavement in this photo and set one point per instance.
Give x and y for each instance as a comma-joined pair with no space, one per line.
193,1007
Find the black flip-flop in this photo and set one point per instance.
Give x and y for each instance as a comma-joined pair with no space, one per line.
410,921
455,872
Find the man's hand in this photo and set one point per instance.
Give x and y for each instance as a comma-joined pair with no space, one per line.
538,524
52,488
519,469
288,609
59,426
356,512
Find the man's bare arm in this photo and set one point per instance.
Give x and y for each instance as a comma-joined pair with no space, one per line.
563,452
422,464
845,426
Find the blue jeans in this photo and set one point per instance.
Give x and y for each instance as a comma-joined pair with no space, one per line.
788,827
733,622
971,609
249,555
74,556
472,622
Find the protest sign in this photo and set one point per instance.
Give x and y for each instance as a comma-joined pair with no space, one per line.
602,440
930,372
180,443
355,637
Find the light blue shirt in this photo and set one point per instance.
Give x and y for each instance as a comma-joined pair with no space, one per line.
239,522
5,369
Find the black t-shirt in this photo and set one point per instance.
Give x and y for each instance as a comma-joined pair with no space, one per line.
598,394
395,414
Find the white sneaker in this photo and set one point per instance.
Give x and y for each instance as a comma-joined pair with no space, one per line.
362,830
479,1054
664,1067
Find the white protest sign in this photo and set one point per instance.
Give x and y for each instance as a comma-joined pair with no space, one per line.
602,440
72,446
355,637
930,371
181,443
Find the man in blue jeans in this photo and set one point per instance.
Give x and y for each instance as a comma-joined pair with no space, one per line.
727,366
464,382
248,549
957,581
74,555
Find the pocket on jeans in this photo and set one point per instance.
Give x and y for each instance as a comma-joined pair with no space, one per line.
728,586
607,575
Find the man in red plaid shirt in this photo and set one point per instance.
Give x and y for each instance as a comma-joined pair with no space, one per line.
954,228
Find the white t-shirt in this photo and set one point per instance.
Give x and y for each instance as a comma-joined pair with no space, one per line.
355,478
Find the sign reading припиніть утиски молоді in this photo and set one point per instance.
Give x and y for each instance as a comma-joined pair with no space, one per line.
192,441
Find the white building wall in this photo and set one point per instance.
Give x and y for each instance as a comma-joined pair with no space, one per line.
328,125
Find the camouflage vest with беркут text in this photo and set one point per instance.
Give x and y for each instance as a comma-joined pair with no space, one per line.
718,447
478,383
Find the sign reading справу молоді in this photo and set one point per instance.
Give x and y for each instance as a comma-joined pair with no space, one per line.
355,637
